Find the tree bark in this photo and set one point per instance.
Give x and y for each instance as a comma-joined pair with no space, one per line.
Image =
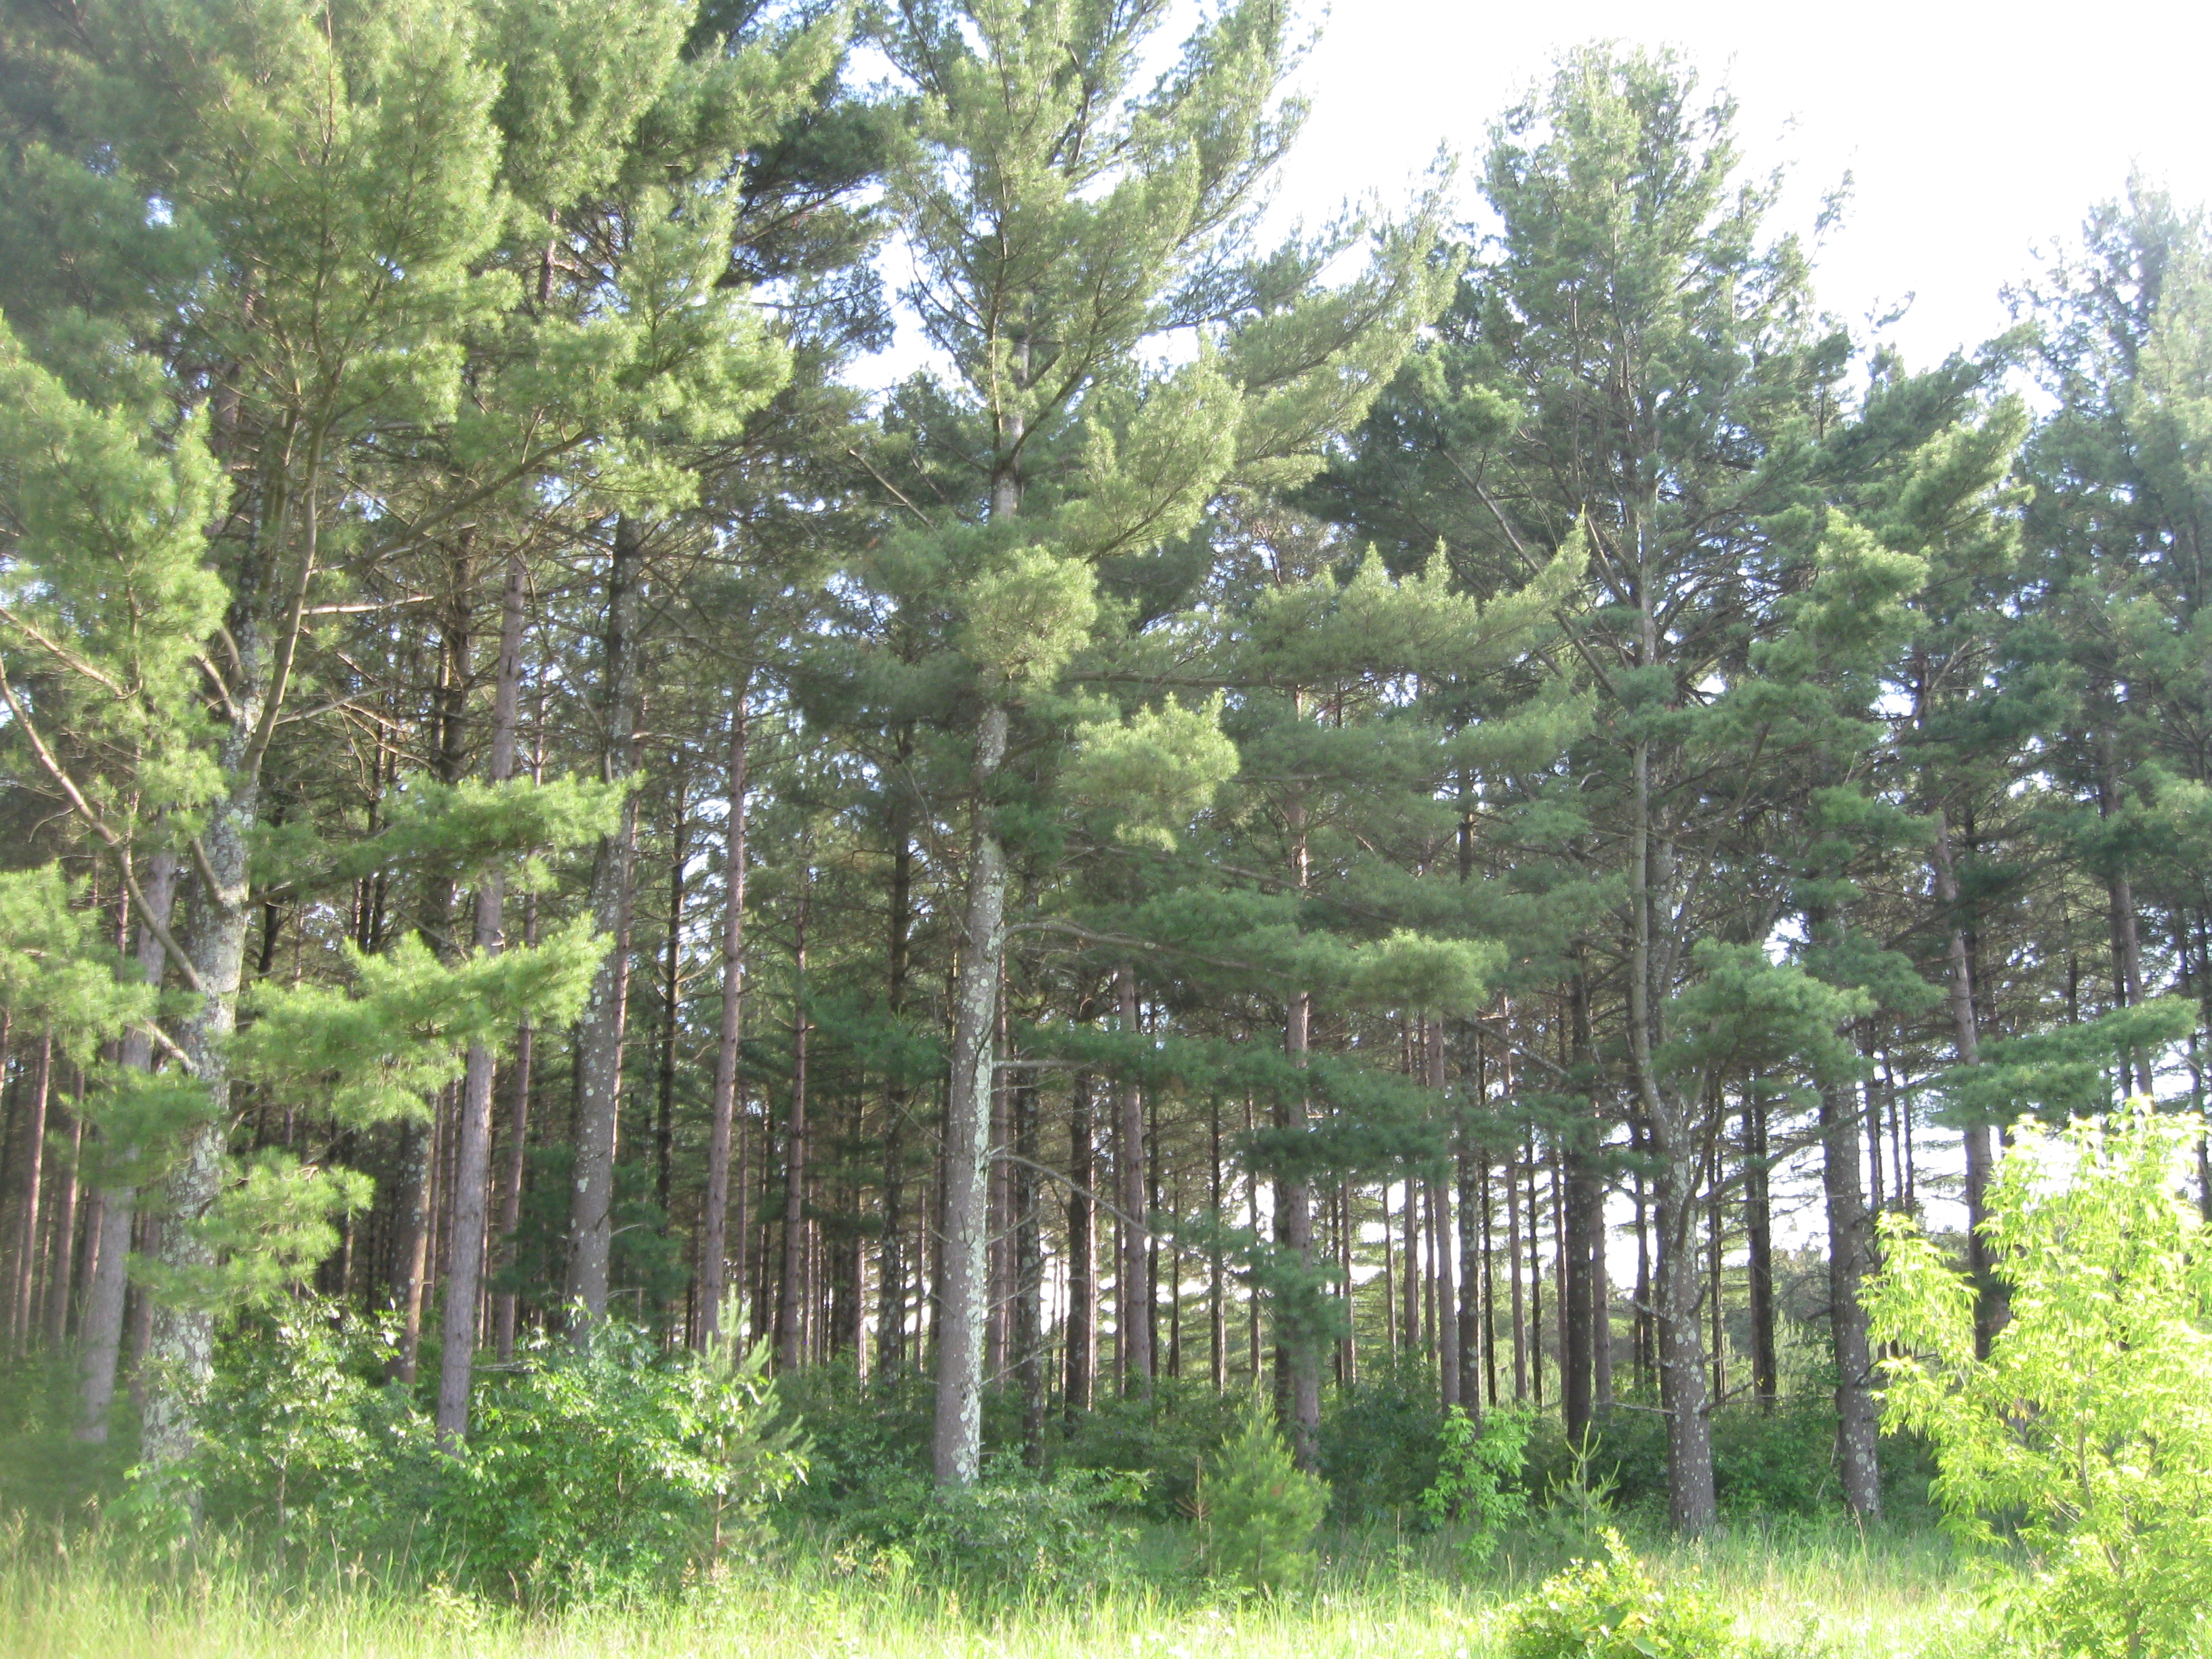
1966,1046
957,1435
791,1291
472,1192
714,1244
21,1304
101,1333
1758,1233
898,1093
599,1047
64,1254
1133,1280
1082,1253
1851,1256
1298,1356
1027,1333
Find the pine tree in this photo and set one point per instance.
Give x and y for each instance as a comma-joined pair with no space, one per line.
1061,220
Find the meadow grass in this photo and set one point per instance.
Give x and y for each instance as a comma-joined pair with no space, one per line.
1821,1592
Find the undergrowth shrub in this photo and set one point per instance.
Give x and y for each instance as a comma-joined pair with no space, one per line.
609,1465
1013,1529
1614,1609
1165,1440
2084,1434
1379,1440
1257,1511
1777,1464
604,1466
1478,1477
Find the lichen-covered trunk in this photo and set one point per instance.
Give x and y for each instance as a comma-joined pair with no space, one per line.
714,1244
1691,1506
957,1436
102,1335
180,1339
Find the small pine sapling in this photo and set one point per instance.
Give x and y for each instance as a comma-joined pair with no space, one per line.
1258,1511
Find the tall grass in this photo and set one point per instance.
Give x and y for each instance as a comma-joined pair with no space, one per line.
1827,1591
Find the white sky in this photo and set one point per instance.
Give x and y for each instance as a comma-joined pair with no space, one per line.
1974,132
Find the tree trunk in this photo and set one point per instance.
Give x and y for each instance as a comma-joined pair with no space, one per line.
671,997
102,1331
1082,1253
957,1436
1513,1278
1583,1237
1296,1355
1217,1326
1472,1201
1027,1333
22,1308
179,1353
898,1094
1758,1233
599,1047
470,1208
1851,1256
714,1246
1132,1276
1966,1046
791,1294
64,1268
1690,1499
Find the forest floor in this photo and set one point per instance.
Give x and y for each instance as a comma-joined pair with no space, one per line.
1809,1594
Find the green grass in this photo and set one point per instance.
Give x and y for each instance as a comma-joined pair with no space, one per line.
1826,1592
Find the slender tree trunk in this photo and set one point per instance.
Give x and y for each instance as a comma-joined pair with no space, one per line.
599,1059
1299,1359
1029,1274
713,1249
1134,1272
464,1250
1966,1046
22,1302
59,1279
1582,1238
898,1094
1473,1200
1082,1253
957,1439
791,1296
671,997
1216,1290
1851,1256
1759,1232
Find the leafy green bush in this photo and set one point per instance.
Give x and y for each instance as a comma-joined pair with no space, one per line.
1379,1439
1257,1510
304,1441
2087,1431
1166,1441
607,1464
1477,1475
1011,1529
1614,1609
602,1467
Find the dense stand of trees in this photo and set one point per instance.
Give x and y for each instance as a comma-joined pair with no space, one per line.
1383,800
